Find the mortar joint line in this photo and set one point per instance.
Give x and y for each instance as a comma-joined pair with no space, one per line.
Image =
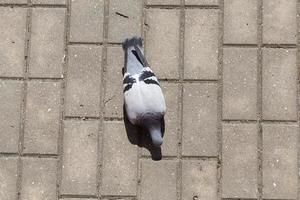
180,98
100,140
298,91
62,100
259,100
23,104
220,96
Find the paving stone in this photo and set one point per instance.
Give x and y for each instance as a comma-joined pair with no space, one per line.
10,104
125,17
83,81
199,180
158,180
280,21
8,178
42,117
162,41
13,2
201,2
239,83
79,172
280,171
119,174
201,44
86,23
240,21
279,84
47,42
169,147
164,2
114,82
199,119
39,179
56,2
239,176
12,43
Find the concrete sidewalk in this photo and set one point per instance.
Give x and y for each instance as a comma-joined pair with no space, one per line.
229,71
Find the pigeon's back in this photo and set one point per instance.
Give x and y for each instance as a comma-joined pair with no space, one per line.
142,93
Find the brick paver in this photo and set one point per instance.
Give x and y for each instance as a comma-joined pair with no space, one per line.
280,161
79,171
201,44
240,25
12,44
239,155
229,72
10,103
240,83
42,117
8,178
83,81
163,188
162,34
39,178
279,80
199,120
47,43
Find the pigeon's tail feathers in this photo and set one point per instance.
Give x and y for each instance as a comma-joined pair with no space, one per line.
130,42
156,137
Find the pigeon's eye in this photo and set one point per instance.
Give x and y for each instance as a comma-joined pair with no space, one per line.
137,57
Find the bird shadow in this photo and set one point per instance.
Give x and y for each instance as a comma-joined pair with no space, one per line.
141,137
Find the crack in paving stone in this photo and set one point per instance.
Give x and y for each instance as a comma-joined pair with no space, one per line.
122,15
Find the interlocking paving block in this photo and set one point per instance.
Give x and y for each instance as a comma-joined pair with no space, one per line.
86,23
201,2
10,107
280,21
164,2
47,42
170,144
42,117
199,180
162,41
39,179
114,82
240,21
280,171
279,84
158,180
125,17
55,2
79,171
199,119
201,44
239,156
8,178
12,43
83,81
239,83
119,169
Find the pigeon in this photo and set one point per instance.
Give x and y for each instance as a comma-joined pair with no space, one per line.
144,101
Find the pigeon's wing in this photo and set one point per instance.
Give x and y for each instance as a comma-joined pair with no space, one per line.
162,122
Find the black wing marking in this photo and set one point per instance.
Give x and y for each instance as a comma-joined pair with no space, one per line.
151,81
129,80
127,87
146,74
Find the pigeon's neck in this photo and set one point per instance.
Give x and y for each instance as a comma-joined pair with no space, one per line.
133,64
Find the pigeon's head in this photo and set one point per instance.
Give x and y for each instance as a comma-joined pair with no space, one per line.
154,124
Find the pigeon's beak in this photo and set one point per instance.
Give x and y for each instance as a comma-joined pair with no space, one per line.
156,137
